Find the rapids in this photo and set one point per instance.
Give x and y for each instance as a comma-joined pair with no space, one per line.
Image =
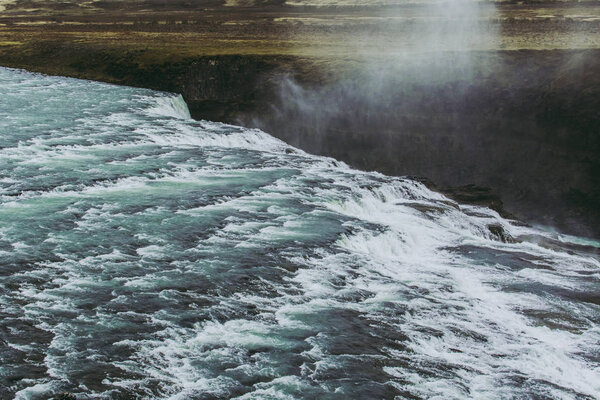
147,255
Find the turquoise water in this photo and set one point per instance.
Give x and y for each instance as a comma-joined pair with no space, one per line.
146,255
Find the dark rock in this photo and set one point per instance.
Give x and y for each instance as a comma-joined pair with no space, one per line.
65,396
500,234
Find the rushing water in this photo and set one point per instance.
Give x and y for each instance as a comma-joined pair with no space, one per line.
147,255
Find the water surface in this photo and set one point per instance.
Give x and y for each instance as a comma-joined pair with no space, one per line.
146,255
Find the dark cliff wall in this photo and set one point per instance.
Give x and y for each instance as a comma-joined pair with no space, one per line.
223,88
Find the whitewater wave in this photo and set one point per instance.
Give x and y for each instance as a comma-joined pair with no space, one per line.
170,106
147,255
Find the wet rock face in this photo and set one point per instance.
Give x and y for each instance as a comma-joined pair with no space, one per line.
222,88
222,78
65,396
500,234
477,195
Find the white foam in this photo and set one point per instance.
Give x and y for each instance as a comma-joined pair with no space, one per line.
34,391
333,242
186,135
170,106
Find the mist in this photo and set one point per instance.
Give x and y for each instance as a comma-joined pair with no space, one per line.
429,93
418,61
